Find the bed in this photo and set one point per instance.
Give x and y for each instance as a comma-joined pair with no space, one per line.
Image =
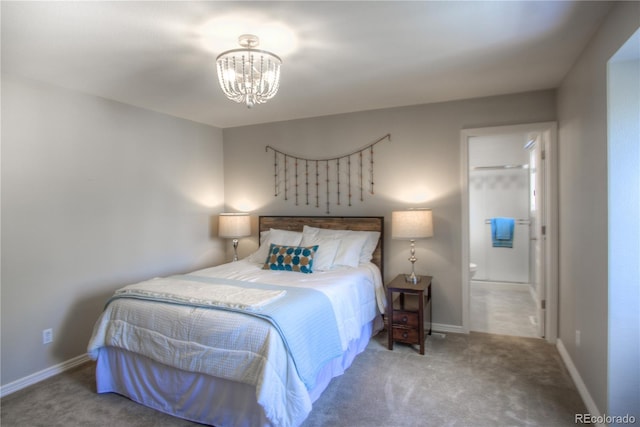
253,342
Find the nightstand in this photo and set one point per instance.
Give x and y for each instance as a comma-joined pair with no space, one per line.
409,316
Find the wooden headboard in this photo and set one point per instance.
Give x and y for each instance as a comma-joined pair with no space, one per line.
356,223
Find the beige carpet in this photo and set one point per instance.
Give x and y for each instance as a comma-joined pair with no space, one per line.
463,380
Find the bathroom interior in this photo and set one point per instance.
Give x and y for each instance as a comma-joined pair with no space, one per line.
503,246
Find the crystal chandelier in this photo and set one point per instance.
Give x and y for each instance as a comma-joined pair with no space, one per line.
249,75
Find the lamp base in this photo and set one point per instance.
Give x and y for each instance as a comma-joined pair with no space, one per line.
235,250
412,278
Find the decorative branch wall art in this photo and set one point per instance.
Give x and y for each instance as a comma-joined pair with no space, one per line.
316,179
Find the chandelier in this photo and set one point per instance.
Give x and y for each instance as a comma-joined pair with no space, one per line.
249,75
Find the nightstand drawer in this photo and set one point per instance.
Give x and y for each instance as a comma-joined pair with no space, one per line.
405,318
411,336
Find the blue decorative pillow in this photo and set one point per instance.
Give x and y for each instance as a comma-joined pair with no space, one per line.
290,258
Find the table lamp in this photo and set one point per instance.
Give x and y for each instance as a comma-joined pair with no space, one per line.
233,226
412,225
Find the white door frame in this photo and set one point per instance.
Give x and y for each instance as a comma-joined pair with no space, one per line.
549,132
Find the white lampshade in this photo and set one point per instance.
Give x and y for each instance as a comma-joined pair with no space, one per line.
234,225
412,224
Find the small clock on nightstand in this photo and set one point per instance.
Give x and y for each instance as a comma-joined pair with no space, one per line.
409,316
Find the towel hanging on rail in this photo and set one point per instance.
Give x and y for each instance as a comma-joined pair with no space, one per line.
519,221
502,232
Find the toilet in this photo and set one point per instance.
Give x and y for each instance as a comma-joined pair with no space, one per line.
472,270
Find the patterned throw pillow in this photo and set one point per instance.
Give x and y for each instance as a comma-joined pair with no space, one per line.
290,258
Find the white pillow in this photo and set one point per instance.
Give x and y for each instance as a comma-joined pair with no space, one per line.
366,253
369,246
351,245
279,237
322,232
326,253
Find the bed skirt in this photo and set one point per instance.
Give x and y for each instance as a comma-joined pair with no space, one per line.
199,397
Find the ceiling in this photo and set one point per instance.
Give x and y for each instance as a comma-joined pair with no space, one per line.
337,56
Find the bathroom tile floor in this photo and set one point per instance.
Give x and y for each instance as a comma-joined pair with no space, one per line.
503,308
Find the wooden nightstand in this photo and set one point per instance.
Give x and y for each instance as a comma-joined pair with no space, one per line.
410,315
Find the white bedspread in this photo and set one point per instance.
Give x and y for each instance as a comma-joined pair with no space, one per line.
235,346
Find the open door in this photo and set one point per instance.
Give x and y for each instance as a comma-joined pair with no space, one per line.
536,149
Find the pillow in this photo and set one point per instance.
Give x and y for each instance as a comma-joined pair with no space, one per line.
274,235
366,253
326,253
369,246
290,258
322,232
351,245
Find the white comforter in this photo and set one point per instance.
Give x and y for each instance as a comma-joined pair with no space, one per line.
235,346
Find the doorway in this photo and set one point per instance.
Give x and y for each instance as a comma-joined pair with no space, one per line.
509,285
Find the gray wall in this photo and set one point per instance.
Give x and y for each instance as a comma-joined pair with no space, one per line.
624,235
582,114
95,195
419,167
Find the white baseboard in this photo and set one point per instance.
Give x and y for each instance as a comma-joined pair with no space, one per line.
503,286
43,375
453,329
577,379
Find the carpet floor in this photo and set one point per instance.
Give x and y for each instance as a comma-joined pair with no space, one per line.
463,380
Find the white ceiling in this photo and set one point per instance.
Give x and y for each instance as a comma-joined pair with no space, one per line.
338,56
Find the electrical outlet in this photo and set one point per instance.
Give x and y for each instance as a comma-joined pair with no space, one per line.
577,338
47,336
